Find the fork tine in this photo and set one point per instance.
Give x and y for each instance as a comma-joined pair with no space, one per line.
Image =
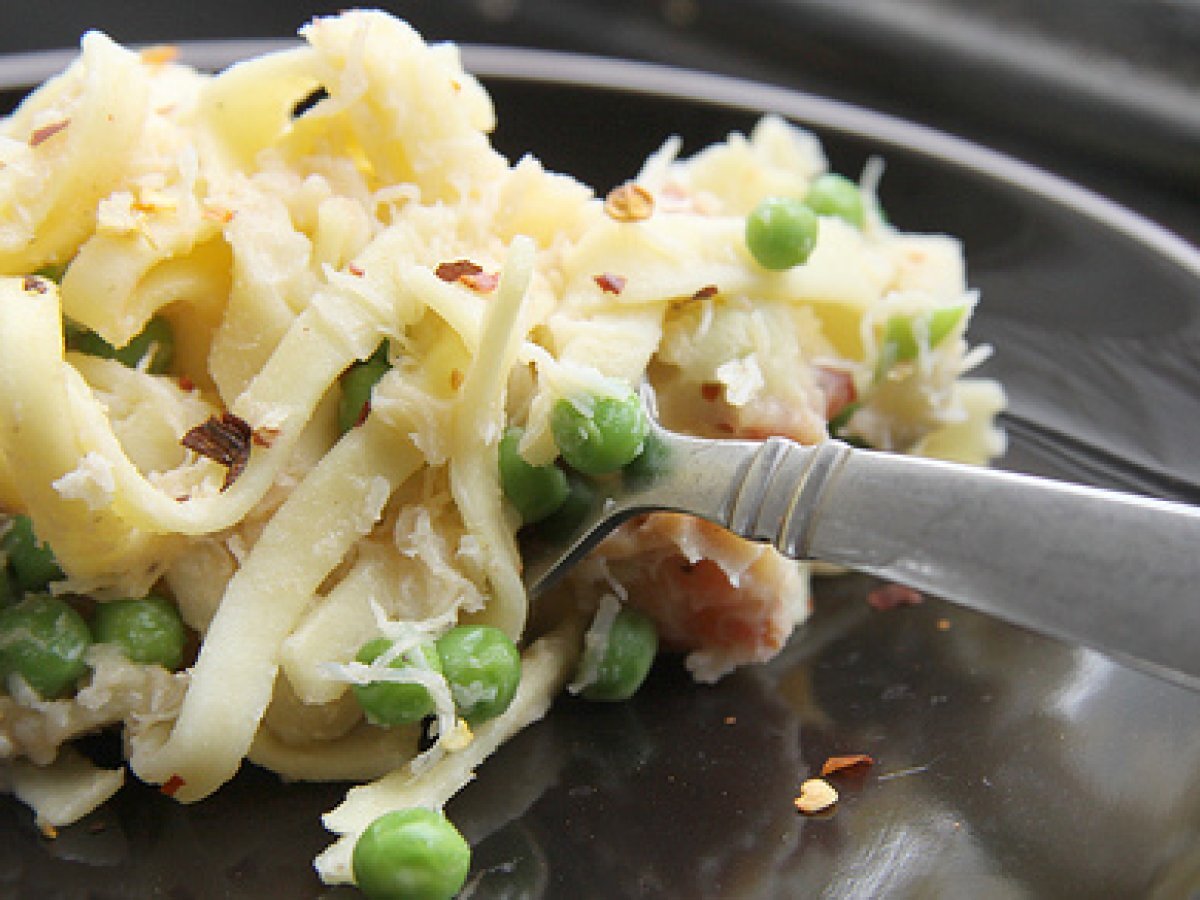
688,475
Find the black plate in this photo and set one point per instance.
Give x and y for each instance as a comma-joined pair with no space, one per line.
1007,765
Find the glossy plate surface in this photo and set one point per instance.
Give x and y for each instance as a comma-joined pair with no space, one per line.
1007,765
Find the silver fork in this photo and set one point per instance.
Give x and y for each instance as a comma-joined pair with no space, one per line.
1115,572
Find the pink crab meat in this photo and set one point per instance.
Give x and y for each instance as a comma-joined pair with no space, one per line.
726,600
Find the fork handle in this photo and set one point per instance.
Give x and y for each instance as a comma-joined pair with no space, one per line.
1115,572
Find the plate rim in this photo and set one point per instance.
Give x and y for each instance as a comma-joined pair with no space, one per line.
591,71
576,70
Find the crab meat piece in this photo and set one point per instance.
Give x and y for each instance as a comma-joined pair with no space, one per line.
725,600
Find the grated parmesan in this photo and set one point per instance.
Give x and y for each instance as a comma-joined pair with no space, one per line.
91,482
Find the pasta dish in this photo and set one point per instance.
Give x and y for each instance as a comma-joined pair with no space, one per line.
290,357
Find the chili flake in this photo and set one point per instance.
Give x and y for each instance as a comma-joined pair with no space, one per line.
363,413
816,795
218,214
264,437
172,785
468,274
891,596
710,391
34,284
225,439
43,134
705,293
609,283
629,203
481,282
454,271
850,761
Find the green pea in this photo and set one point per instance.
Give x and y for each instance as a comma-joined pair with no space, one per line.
148,629
391,703
357,382
483,667
10,591
31,561
568,517
43,640
628,655
156,340
836,195
653,461
900,339
536,491
598,435
411,854
781,232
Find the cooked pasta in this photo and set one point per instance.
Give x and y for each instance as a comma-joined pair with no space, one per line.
336,212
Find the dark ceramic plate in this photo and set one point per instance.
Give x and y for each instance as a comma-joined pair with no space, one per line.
1007,764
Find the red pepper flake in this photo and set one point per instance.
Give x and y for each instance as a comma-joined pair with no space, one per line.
454,271
610,283
481,282
355,270
34,284
725,428
186,384
469,274
816,796
218,214
705,293
710,391
842,763
363,413
172,785
225,439
629,203
159,55
264,437
43,134
891,596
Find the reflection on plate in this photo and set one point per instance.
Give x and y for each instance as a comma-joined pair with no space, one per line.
1007,765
